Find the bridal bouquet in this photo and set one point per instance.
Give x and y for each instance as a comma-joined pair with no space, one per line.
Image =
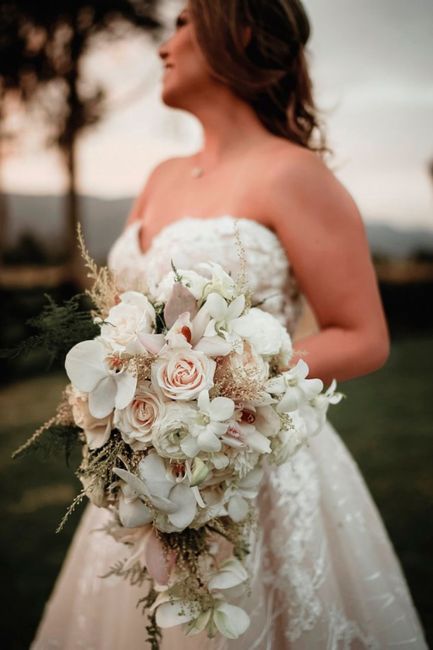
179,400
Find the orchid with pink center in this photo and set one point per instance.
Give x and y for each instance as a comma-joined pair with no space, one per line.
156,484
187,332
95,369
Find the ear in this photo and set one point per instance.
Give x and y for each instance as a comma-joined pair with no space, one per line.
246,35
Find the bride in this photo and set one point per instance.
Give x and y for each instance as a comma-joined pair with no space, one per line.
324,573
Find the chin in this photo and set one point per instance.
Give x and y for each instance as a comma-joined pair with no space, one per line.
172,97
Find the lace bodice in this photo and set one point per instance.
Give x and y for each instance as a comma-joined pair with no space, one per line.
190,240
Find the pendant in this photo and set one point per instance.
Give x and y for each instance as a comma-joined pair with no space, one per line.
197,171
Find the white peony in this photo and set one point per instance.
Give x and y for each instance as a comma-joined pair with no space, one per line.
267,335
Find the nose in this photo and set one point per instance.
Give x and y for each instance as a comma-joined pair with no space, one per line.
163,51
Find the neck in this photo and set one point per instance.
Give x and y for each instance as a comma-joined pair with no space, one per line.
229,124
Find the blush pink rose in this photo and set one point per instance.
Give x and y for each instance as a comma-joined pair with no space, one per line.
140,418
96,430
182,373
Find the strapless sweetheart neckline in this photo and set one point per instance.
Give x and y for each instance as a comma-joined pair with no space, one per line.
139,225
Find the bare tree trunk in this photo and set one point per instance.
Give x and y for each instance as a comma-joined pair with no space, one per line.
3,199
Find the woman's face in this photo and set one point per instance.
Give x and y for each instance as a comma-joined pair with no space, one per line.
186,72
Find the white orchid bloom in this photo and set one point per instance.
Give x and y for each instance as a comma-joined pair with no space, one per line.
174,499
190,333
315,410
294,387
328,397
192,280
221,282
224,318
238,494
231,621
210,423
95,369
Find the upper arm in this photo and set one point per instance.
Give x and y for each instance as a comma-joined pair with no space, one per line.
139,203
322,231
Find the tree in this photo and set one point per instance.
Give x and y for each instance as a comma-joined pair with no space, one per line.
45,47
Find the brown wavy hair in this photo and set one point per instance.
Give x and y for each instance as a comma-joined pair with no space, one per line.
271,71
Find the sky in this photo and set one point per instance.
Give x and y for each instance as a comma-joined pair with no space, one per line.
371,63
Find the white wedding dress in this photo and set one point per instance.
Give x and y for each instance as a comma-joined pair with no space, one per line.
325,575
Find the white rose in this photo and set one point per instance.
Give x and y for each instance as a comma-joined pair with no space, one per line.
182,373
265,332
133,315
137,421
173,429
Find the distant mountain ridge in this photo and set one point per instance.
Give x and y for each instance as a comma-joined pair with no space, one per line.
104,219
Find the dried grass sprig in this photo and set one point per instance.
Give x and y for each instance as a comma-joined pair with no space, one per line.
104,290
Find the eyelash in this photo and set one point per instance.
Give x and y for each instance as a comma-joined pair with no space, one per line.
180,22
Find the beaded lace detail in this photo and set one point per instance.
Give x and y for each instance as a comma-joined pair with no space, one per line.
189,241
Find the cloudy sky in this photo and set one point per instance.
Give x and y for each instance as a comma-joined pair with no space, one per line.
371,64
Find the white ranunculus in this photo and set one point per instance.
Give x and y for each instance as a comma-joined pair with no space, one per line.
138,421
294,387
181,373
173,429
133,315
267,335
95,369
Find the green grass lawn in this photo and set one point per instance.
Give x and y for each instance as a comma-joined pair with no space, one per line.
386,421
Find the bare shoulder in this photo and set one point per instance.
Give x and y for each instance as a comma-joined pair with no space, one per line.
161,172
300,185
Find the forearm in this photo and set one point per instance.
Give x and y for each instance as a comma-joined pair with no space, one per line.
338,353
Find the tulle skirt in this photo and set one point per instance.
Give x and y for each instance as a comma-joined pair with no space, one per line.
324,573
